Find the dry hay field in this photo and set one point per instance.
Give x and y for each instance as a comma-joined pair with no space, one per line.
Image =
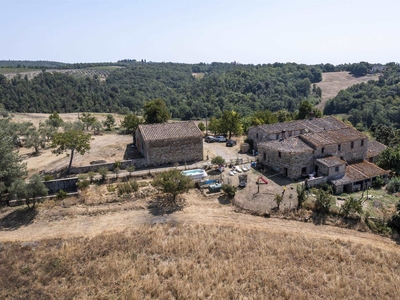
334,82
204,251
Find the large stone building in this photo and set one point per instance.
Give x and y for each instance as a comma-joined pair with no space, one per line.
169,143
326,148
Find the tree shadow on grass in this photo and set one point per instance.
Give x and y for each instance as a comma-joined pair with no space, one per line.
18,218
164,204
318,218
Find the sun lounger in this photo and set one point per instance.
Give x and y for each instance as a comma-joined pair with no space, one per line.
238,169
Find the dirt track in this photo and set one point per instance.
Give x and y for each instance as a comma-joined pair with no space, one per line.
199,209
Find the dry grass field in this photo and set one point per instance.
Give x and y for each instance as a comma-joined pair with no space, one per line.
192,261
334,82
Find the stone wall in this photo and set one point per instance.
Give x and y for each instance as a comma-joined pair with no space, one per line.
317,181
346,152
65,184
138,163
330,172
287,163
162,152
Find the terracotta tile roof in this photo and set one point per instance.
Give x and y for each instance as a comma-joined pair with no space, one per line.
293,145
314,125
330,137
331,161
375,148
358,172
166,131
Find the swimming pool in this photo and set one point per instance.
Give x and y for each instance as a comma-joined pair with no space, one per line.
196,174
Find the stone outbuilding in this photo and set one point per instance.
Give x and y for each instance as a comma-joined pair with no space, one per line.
169,143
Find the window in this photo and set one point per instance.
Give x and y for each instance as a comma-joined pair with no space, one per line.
265,156
279,154
304,170
336,169
322,150
277,136
362,143
339,147
257,135
352,145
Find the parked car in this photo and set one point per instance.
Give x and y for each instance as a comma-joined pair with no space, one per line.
230,143
210,139
220,139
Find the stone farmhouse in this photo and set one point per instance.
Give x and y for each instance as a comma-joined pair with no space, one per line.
324,149
169,143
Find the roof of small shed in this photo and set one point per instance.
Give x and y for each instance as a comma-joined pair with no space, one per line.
331,161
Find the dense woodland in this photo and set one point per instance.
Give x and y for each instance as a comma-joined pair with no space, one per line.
373,103
217,87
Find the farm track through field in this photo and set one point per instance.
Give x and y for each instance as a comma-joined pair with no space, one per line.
119,217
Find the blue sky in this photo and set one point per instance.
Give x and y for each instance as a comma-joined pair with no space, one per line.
335,31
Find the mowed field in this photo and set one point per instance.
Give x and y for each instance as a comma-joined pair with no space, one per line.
334,82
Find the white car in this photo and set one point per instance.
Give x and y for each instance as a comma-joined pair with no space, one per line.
220,138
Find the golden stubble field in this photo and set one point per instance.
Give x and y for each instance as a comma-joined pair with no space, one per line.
334,82
207,250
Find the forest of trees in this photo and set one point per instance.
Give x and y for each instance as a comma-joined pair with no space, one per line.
221,86
372,103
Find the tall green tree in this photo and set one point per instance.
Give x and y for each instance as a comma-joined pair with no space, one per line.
11,166
55,120
390,159
173,182
230,123
88,119
304,109
131,122
109,122
156,111
73,140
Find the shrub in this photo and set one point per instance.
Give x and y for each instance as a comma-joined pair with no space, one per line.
218,160
83,184
134,185
230,190
124,188
48,177
61,195
201,126
111,188
378,182
117,164
352,205
278,199
103,171
91,176
301,195
323,201
82,176
393,185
